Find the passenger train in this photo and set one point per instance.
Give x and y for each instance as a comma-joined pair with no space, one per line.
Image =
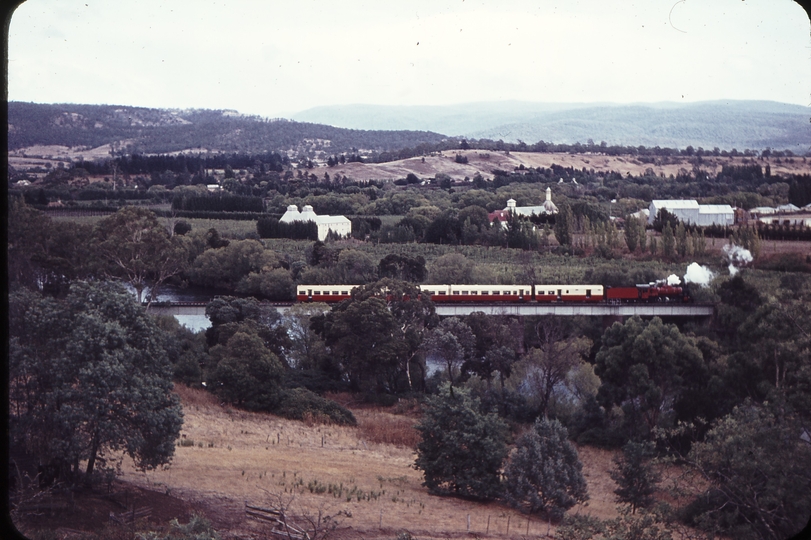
658,291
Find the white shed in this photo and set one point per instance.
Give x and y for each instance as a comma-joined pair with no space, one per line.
689,211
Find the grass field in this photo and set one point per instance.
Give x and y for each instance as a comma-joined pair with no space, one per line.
226,458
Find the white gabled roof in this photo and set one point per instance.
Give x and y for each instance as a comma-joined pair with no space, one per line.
788,208
675,203
331,219
715,209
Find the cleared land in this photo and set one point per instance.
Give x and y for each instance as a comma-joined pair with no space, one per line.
479,161
238,457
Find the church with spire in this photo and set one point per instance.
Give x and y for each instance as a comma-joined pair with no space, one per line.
548,207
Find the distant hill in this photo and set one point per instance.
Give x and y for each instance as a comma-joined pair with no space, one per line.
143,130
754,125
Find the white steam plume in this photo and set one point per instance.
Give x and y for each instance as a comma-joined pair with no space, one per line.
698,274
673,280
736,255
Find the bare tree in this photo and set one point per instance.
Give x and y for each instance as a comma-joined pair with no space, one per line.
549,364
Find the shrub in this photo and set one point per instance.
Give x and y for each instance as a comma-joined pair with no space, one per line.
544,473
301,404
462,449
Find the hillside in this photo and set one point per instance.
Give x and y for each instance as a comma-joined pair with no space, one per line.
724,124
231,457
153,131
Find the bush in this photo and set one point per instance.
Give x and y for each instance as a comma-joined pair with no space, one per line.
301,404
462,449
544,473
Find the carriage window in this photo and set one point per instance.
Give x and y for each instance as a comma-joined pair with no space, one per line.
316,292
473,292
485,292
344,292
456,292
588,293
464,292
441,293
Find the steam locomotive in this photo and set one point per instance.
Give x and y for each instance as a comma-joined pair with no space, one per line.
659,291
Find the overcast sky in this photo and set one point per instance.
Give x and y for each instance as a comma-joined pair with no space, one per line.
275,58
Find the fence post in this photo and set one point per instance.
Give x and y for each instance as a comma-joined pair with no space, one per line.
508,525
488,526
468,523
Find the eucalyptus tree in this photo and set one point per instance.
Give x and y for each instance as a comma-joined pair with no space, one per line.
89,376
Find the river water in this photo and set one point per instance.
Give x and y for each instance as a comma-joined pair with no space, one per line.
195,323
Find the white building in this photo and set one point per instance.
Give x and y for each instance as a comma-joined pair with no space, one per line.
339,225
548,207
689,211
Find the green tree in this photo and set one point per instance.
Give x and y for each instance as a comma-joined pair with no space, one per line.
631,233
544,473
244,372
647,368
134,246
462,448
451,268
636,480
355,267
682,244
229,315
758,467
563,225
402,267
495,346
668,241
89,376
46,256
225,267
365,337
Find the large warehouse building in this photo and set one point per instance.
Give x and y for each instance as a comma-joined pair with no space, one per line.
689,211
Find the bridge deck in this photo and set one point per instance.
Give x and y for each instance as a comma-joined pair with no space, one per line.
515,310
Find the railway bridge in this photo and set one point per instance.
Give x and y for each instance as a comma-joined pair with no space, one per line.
613,311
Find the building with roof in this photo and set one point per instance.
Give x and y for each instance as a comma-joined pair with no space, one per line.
689,211
339,225
548,207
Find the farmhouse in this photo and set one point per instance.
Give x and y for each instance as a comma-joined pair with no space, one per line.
689,211
339,225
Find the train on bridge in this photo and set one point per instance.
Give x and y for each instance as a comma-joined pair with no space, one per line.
659,291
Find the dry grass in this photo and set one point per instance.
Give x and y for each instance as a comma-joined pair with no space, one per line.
387,428
236,456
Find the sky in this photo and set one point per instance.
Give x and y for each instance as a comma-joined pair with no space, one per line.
275,58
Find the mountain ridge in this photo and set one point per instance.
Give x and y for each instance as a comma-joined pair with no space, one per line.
726,124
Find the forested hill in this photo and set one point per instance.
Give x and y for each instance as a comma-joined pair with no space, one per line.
725,124
154,131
